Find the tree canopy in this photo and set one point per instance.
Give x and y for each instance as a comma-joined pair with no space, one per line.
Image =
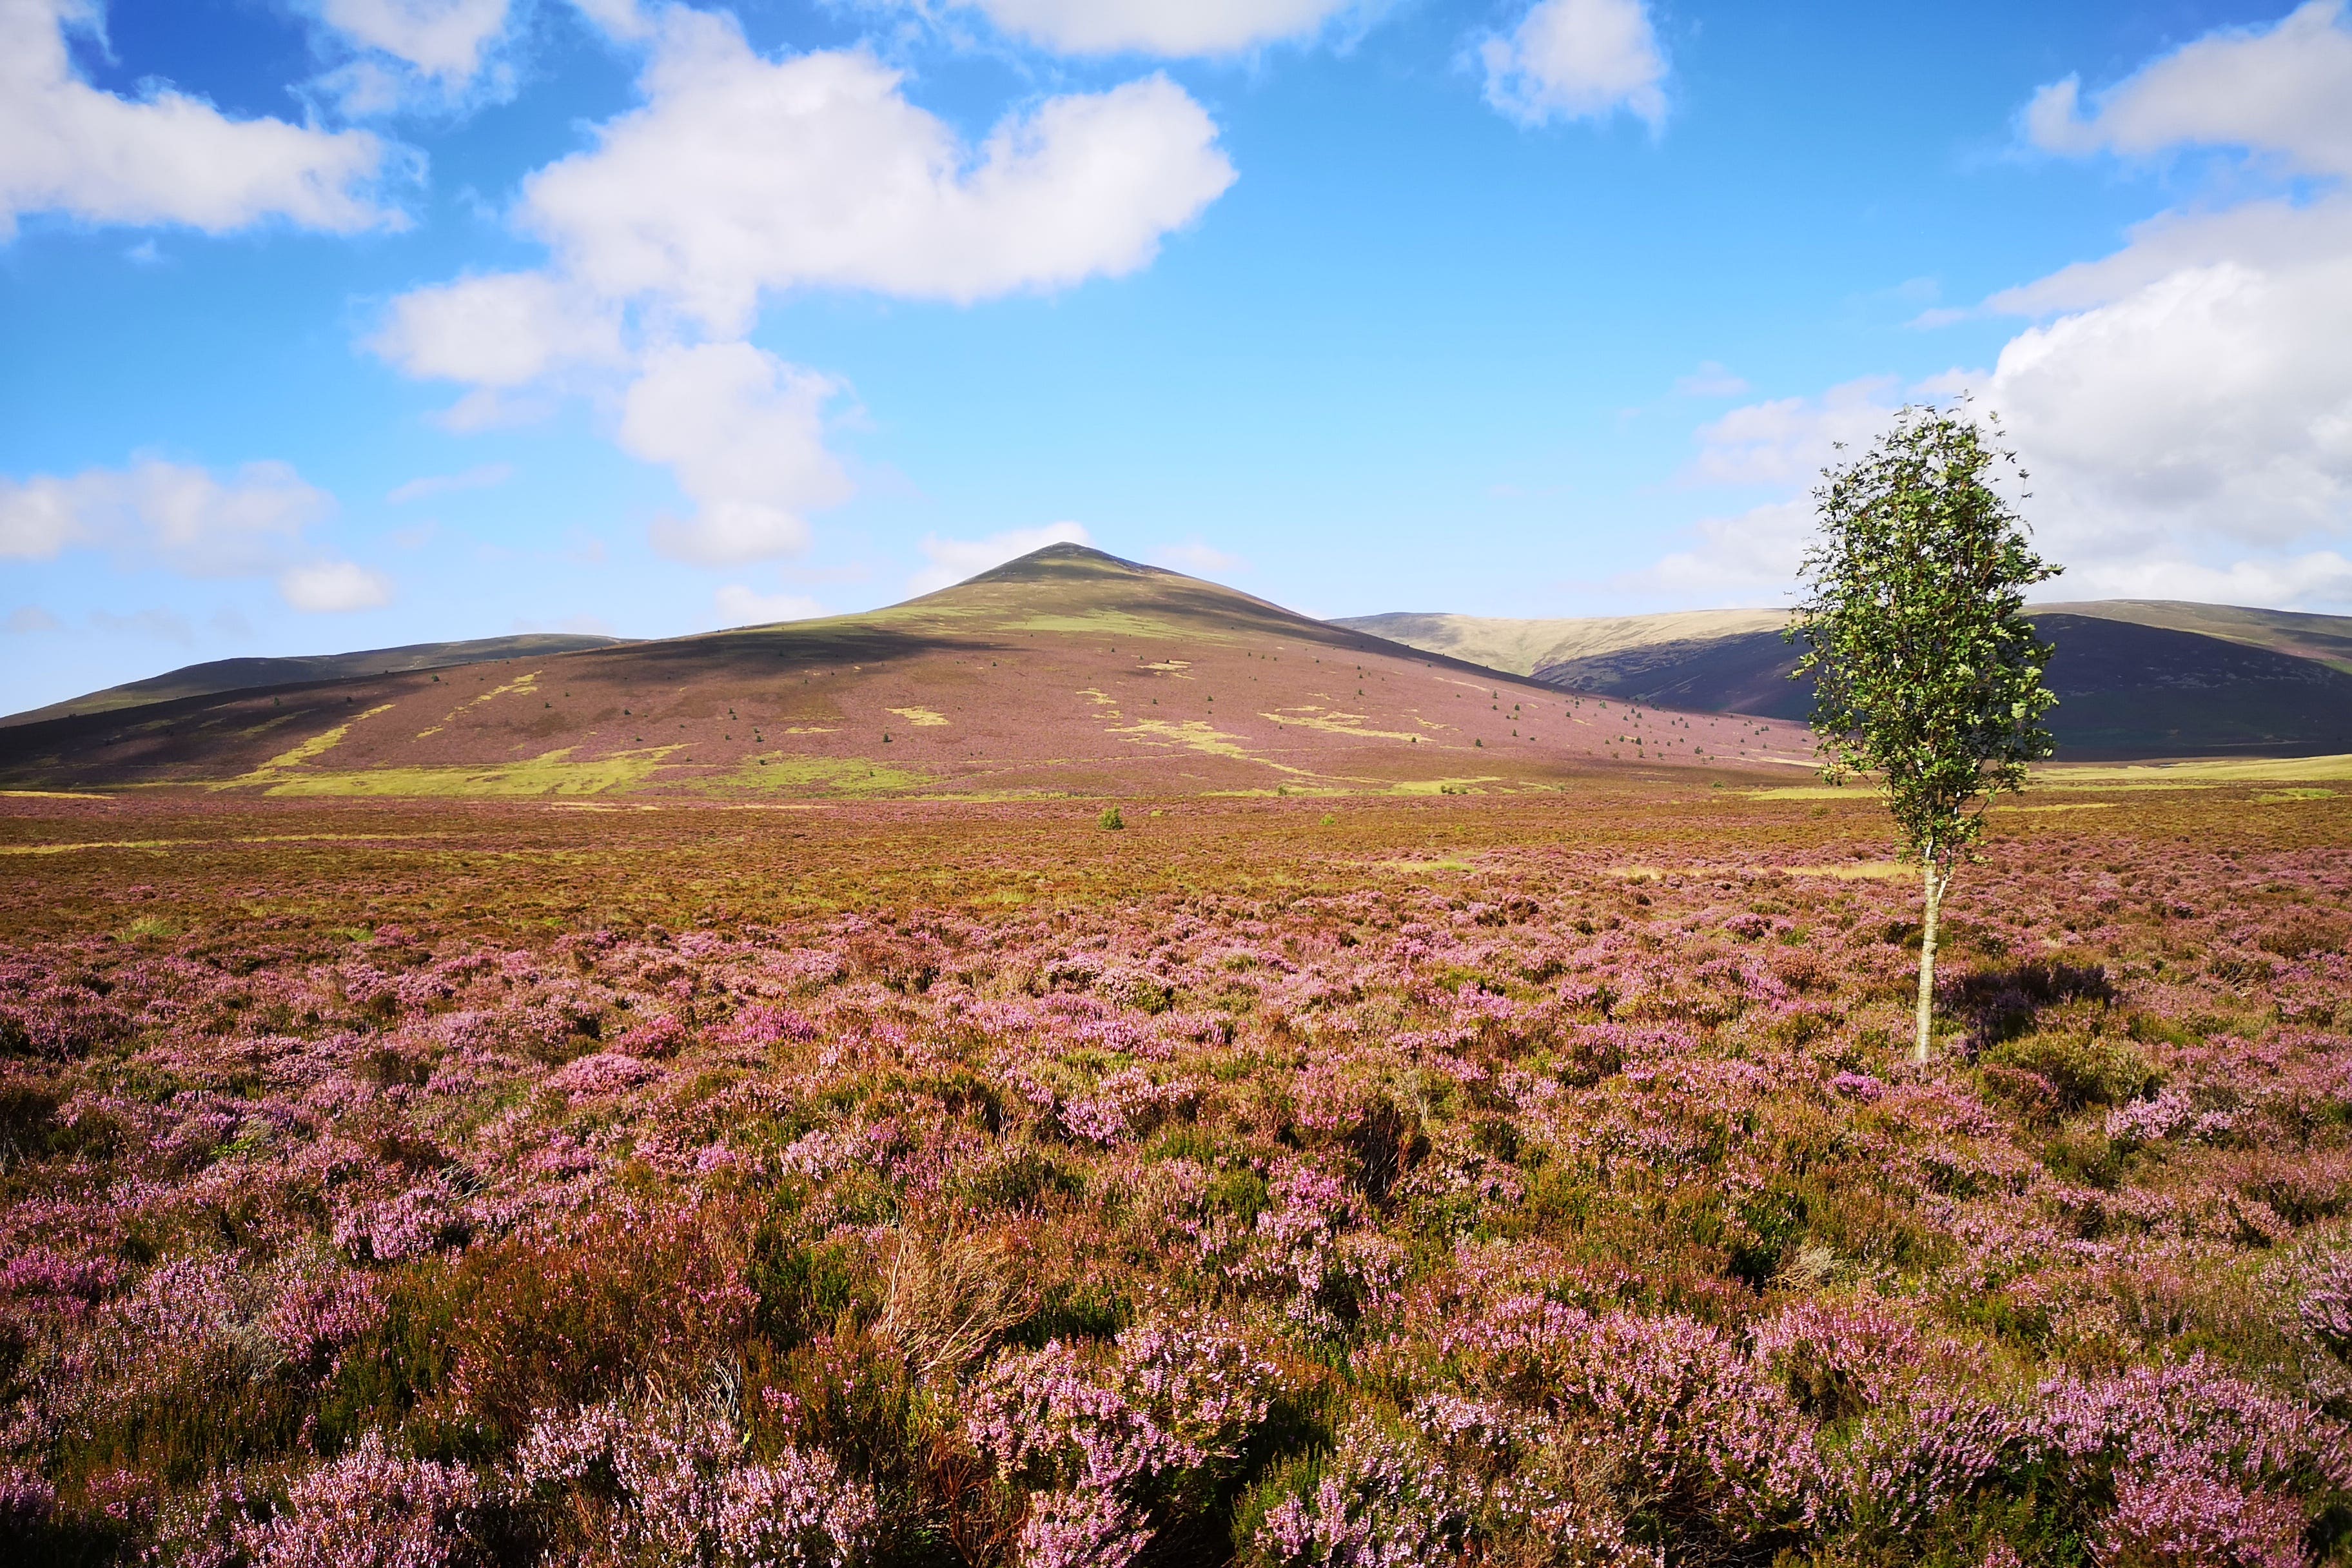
1927,673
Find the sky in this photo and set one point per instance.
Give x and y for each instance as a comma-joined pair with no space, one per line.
331,324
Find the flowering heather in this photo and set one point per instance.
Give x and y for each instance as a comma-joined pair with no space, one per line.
1483,1180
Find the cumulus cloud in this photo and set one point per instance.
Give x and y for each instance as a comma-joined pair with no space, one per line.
1578,59
741,175
331,587
2281,90
164,157
954,560
499,330
2185,402
741,606
172,514
743,433
1789,439
446,40
2210,408
1749,558
412,54
624,20
1167,27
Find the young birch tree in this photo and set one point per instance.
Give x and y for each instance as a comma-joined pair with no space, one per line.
1926,674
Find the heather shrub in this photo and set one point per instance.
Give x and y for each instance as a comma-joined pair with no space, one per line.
673,1483
546,1321
1239,1203
2082,1069
370,1508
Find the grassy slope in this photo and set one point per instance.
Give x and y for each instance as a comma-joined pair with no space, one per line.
1068,671
247,674
2135,679
1526,647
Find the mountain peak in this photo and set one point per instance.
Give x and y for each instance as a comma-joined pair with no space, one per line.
1066,563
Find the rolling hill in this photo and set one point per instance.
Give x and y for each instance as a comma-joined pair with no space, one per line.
244,674
1068,670
2135,679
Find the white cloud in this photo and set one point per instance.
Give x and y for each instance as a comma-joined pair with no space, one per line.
29,620
165,157
2265,235
405,55
1709,380
744,434
738,176
497,330
1790,438
330,588
1578,59
2317,578
1198,556
446,40
477,478
2187,413
1168,27
2283,89
954,560
169,514
2184,405
741,175
624,20
2213,405
1748,559
741,606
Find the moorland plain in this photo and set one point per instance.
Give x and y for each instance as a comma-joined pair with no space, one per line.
1520,1177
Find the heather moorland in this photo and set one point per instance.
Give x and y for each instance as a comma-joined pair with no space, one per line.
1509,1178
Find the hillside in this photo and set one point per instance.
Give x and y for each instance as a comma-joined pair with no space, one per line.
245,673
2135,679
1068,670
1524,647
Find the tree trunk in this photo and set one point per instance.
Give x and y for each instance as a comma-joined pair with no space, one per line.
1934,891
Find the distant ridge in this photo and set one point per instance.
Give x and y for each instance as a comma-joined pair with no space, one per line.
2135,679
245,673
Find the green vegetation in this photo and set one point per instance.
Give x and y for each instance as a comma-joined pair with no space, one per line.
1926,674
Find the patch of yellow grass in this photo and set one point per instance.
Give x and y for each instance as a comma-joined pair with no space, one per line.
1849,871
1200,735
2204,770
523,684
2281,796
1333,723
201,842
920,718
837,775
1118,621
317,745
551,772
1444,787
1409,867
2070,805
48,795
1810,792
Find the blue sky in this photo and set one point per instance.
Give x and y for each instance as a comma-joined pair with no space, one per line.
342,323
